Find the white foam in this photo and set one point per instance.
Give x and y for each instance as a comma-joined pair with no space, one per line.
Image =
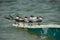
37,26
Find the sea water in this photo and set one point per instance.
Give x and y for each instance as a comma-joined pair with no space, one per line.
48,9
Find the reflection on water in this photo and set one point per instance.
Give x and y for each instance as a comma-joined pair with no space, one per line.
49,9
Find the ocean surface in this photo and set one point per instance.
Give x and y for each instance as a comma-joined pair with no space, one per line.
48,9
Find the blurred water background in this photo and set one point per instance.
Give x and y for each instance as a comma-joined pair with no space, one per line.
49,9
